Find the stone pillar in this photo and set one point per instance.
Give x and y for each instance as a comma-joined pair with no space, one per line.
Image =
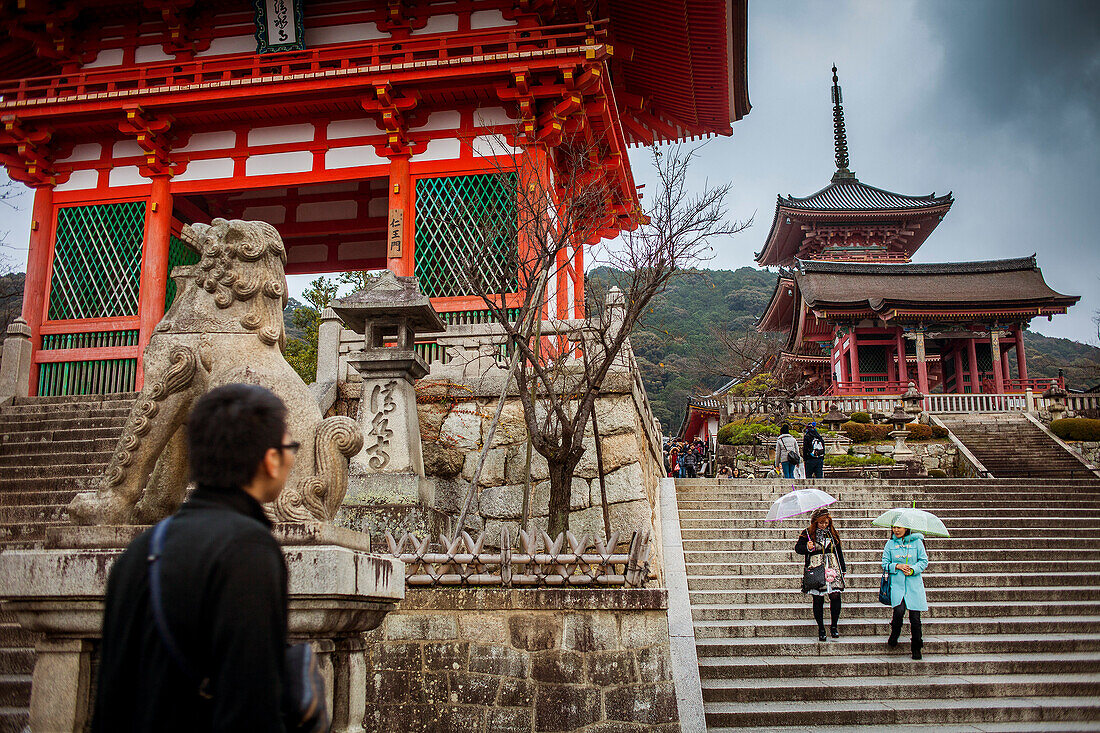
1021,357
995,358
15,367
154,264
922,366
975,380
399,245
61,685
35,287
328,347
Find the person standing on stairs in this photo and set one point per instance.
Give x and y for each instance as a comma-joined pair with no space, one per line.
786,452
904,559
824,568
813,452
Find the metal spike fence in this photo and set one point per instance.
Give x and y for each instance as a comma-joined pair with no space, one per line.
537,560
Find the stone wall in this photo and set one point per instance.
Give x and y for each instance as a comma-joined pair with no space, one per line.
1090,449
454,420
932,454
493,660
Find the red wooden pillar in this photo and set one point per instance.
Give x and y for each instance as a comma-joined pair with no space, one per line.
975,382
853,354
841,360
578,282
399,230
1006,368
1021,359
995,358
154,264
38,265
903,368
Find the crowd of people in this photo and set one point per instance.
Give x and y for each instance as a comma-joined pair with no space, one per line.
686,459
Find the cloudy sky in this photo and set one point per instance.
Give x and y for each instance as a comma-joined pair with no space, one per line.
997,101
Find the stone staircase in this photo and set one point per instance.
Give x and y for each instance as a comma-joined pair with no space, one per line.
1011,446
1011,638
50,448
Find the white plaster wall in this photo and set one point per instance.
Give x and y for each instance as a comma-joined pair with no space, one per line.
378,206
127,175
228,45
450,120
273,163
352,157
488,19
302,253
220,140
126,149
338,129
151,54
327,211
106,57
361,250
80,180
86,151
486,145
281,134
270,214
439,24
441,149
349,33
491,116
204,170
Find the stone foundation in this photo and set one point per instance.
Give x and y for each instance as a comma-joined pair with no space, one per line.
1090,449
932,455
489,660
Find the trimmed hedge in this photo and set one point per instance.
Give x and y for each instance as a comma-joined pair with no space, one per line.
854,461
863,418
1076,428
937,473
860,433
742,432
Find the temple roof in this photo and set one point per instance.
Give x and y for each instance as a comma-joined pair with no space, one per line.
852,195
889,291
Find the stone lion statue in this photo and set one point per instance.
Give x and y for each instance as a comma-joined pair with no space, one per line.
225,326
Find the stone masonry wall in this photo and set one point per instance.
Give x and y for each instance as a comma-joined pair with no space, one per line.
494,660
934,455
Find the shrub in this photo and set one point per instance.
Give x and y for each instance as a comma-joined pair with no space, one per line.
864,433
918,431
862,417
855,461
1076,428
744,432
939,432
937,473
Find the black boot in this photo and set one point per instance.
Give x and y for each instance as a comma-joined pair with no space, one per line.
834,632
821,634
916,651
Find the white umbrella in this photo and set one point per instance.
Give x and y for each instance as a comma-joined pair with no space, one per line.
798,501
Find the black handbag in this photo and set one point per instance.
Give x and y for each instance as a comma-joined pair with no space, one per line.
305,708
813,579
884,589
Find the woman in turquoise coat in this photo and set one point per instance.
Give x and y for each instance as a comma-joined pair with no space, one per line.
904,559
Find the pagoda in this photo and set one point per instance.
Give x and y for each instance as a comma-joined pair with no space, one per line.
859,318
353,126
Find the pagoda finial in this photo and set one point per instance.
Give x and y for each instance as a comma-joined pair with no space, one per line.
840,138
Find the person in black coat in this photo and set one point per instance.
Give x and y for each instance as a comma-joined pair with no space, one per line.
813,452
820,544
223,586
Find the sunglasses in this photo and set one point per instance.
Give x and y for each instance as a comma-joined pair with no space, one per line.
292,446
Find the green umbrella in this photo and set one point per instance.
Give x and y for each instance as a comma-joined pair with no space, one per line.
917,520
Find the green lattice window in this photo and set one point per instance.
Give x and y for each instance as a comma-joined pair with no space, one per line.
178,254
97,261
985,357
463,224
872,361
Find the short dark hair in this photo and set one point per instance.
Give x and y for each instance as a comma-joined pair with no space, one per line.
229,430
786,429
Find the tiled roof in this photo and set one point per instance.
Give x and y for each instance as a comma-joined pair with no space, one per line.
933,268
852,195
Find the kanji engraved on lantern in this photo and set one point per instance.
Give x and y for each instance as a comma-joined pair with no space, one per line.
381,404
397,220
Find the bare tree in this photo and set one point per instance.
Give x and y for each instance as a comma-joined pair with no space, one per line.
11,282
560,378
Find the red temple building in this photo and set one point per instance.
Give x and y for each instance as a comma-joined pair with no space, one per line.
351,125
860,318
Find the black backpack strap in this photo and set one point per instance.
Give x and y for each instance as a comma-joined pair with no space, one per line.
156,549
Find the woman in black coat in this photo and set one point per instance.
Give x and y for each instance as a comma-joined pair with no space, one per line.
824,568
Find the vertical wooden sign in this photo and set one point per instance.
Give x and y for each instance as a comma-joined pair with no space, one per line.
279,26
396,224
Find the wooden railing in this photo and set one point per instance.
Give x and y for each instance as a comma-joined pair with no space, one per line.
328,61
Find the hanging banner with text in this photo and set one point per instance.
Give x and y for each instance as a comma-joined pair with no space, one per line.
279,26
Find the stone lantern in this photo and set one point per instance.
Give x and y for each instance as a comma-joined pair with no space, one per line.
898,419
389,312
834,419
1056,400
912,400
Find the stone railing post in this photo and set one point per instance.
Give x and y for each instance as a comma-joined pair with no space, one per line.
15,370
328,347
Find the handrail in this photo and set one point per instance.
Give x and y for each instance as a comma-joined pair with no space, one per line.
978,466
343,58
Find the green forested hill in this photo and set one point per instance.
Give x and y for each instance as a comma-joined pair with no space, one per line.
676,352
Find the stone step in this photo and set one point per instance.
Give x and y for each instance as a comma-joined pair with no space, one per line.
891,712
35,425
15,439
35,483
51,471
75,409
991,511
876,611
781,545
15,690
83,458
925,686
49,497
1001,727
871,568
897,665
874,554
50,445
16,660
67,399
872,628
861,530
34,513
809,646
14,720
794,595
938,580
